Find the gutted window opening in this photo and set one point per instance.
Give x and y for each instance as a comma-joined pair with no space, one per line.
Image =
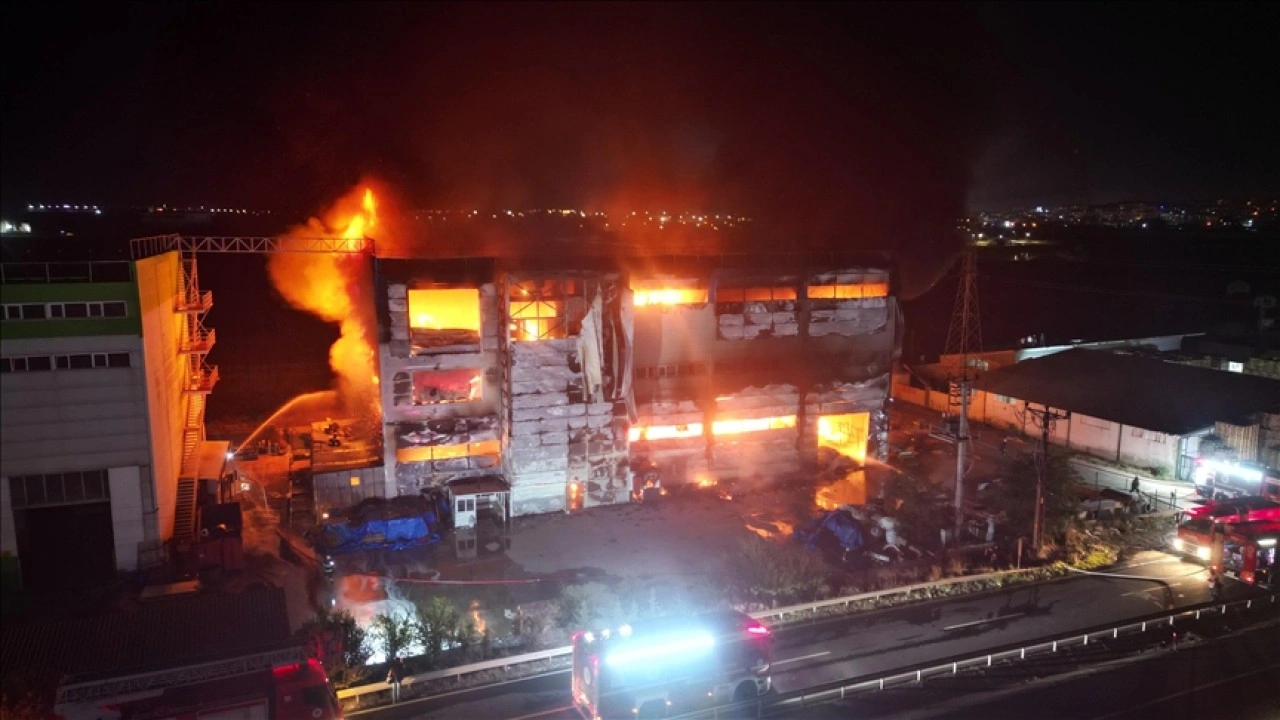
719,427
437,387
849,291
429,453
846,434
759,293
443,317
668,291
545,309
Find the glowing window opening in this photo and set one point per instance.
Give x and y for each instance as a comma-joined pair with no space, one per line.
445,309
755,294
429,453
848,291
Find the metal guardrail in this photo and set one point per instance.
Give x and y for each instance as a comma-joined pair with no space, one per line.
918,673
458,672
776,615
780,614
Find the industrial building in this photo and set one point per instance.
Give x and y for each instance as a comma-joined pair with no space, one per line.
525,387
102,390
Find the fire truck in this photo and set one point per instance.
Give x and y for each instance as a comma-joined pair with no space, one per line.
239,689
1194,536
1246,551
670,665
1225,479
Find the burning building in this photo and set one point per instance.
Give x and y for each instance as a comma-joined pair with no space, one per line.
529,387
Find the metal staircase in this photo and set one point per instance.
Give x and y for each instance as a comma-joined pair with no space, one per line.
200,377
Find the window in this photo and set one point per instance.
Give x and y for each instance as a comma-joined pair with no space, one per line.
67,310
19,364
59,488
39,363
55,311
95,309
118,360
849,291
114,308
33,312
81,362
443,318
1158,438
755,294
437,387
76,310
1137,432
12,312
540,309
1005,399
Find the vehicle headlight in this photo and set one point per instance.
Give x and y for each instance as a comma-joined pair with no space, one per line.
1202,553
1177,544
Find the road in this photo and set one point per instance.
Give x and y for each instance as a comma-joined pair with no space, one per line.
848,646
1237,676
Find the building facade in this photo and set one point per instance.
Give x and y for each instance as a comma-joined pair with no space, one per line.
101,394
576,386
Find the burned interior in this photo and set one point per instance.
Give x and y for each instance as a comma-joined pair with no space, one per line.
581,386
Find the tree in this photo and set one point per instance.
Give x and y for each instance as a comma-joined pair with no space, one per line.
393,632
339,644
1015,494
588,606
439,625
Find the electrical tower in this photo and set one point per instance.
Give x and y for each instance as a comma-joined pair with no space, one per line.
964,337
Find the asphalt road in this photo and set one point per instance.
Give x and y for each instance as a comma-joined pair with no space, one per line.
843,647
1236,676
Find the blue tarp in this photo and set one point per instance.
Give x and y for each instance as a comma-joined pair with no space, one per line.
846,531
392,534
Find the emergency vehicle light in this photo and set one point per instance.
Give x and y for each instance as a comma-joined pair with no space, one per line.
1266,542
1177,544
689,644
1202,553
757,629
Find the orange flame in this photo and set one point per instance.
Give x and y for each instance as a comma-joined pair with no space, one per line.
337,287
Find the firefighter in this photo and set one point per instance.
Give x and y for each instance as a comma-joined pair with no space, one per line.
1215,586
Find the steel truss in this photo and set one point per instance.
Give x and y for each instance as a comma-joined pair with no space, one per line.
173,677
157,244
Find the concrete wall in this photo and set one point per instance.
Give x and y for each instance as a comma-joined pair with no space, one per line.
1095,436
159,280
127,514
63,420
10,565
1149,449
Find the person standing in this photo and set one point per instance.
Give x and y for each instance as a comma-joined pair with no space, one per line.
395,675
1134,486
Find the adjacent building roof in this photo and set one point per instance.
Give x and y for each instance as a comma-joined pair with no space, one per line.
1138,391
157,634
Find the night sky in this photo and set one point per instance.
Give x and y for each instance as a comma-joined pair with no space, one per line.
883,121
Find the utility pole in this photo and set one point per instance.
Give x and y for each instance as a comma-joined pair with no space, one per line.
1047,416
963,338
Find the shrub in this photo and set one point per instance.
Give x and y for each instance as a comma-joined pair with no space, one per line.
589,605
339,644
773,572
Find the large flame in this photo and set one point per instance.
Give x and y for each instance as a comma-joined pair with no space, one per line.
337,287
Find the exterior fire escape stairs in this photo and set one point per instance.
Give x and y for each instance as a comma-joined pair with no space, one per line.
200,377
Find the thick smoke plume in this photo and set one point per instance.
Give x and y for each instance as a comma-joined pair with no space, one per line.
337,287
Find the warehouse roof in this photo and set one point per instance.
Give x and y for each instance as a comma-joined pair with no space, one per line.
1138,391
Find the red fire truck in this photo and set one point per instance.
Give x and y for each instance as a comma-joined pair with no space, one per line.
670,665
1246,551
1194,537
229,690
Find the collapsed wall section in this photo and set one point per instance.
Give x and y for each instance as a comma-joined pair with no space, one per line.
567,362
